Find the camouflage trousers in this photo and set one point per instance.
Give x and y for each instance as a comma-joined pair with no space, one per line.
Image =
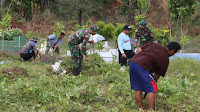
77,58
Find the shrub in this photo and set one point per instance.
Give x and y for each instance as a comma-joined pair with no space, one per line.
10,33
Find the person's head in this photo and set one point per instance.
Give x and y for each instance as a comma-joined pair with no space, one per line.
143,24
173,47
94,30
127,29
34,39
61,35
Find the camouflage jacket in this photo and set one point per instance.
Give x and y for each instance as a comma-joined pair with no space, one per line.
144,36
81,36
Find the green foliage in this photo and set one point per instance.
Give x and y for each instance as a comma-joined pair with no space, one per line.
10,33
186,7
161,35
29,34
101,25
5,23
184,41
118,30
140,18
59,28
95,89
108,31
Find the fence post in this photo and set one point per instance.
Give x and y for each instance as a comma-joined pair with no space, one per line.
19,41
2,42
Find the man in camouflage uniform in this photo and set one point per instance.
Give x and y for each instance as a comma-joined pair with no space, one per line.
143,35
81,36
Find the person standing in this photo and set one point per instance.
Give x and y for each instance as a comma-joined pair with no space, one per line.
54,42
143,35
124,47
151,58
29,50
80,37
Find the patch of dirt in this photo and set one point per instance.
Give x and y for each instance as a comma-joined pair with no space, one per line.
48,59
10,54
14,72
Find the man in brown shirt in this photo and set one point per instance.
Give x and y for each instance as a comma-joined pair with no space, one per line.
151,58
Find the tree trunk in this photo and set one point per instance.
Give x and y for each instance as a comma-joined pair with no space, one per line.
131,19
80,16
2,2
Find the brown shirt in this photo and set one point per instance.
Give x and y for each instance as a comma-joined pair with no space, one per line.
153,58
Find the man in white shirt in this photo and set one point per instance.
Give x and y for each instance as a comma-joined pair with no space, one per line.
124,46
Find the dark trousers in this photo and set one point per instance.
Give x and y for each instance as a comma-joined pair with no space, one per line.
129,54
76,70
27,56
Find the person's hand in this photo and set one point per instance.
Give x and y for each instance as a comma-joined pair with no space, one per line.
124,55
53,51
91,41
33,60
139,50
87,58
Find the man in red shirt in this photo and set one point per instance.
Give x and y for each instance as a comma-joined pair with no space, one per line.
152,58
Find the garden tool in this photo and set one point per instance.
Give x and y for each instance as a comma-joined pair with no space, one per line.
38,54
145,95
95,64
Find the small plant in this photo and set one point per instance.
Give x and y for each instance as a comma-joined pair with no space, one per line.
184,41
59,28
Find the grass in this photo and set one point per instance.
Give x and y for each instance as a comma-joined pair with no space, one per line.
95,89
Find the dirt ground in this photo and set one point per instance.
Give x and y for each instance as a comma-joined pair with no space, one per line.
15,55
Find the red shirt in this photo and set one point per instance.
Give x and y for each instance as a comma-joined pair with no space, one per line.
153,58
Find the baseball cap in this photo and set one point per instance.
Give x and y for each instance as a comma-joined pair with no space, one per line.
127,27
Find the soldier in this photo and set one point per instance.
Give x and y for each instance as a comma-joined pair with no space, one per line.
81,36
143,35
29,50
53,41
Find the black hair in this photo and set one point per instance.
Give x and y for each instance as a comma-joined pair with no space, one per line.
174,46
62,33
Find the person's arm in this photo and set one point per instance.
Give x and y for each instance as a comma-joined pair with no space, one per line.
120,43
84,43
137,36
91,41
47,41
55,47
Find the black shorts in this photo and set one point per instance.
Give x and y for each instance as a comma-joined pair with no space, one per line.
129,54
27,56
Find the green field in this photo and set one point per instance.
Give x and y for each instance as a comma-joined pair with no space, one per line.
26,86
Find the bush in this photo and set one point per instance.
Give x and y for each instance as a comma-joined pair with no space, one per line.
108,31
10,33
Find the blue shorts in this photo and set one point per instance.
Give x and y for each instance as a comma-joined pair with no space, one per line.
141,79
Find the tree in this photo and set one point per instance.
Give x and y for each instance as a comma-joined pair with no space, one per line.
5,24
175,5
81,9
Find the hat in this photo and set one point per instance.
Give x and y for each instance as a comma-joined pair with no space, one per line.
34,39
143,23
95,29
127,27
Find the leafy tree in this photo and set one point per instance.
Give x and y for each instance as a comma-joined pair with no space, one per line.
26,8
176,5
81,9
5,24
